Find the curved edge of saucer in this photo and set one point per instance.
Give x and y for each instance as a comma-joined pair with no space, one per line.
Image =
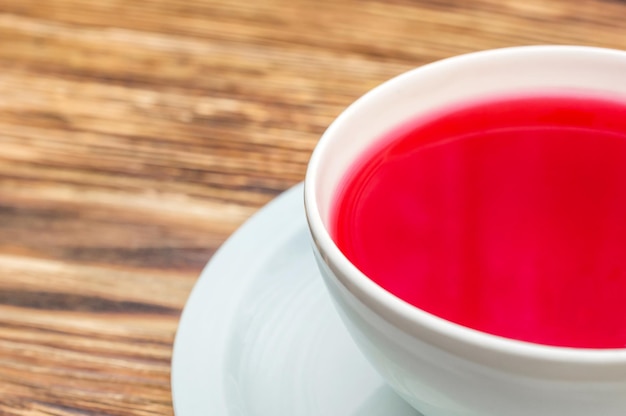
197,387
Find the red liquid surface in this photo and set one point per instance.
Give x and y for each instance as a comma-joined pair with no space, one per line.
507,216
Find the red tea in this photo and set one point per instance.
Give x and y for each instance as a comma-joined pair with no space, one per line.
507,216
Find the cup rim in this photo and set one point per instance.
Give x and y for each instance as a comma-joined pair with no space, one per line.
392,308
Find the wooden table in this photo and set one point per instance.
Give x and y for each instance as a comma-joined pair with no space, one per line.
135,136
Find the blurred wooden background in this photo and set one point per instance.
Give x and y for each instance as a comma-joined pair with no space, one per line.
135,136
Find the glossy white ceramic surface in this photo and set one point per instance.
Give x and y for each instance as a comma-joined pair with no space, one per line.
260,337
441,368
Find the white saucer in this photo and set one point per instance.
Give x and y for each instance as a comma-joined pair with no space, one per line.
259,335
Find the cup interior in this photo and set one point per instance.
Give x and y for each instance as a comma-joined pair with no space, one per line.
426,90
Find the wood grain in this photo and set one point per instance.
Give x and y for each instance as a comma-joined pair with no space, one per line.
135,136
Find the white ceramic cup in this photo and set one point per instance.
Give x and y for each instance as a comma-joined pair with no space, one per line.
441,368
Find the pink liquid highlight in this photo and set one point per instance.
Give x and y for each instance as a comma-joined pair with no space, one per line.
507,216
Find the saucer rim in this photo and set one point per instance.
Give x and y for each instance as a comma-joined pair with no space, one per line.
190,381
